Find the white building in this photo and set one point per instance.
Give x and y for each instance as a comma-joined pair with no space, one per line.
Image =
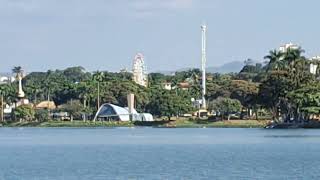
287,46
313,66
140,75
316,58
117,113
6,78
167,86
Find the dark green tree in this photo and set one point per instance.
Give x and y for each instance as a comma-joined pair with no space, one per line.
24,113
169,104
225,106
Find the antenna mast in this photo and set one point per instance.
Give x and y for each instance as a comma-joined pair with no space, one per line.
203,65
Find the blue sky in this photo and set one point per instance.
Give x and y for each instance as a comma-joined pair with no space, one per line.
106,34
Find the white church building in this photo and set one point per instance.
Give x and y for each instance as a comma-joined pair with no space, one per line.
111,112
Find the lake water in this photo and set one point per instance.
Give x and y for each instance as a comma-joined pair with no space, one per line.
147,153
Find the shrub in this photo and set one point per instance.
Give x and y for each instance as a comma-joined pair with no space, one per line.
42,115
24,112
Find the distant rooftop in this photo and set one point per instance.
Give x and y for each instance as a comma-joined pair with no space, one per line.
290,45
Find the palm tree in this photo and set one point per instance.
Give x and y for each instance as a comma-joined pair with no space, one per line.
194,76
98,77
293,54
17,70
275,60
50,84
84,92
34,91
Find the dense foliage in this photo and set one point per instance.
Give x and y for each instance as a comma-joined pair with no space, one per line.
24,113
225,106
283,86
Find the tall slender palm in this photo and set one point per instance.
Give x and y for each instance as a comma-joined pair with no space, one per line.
34,91
275,62
195,77
293,54
84,90
17,70
50,84
98,77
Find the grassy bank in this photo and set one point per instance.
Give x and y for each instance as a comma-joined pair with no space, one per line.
68,124
217,124
180,123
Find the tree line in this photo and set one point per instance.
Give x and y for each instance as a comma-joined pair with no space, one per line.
282,87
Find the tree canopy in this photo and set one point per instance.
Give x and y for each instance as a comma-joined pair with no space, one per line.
283,86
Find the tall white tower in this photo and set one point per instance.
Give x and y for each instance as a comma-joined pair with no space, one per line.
203,65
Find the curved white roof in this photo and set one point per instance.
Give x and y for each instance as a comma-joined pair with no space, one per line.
111,110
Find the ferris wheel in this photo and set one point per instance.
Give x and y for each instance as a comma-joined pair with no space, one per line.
139,70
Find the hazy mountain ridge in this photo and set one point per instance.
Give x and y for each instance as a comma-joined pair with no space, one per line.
6,74
234,66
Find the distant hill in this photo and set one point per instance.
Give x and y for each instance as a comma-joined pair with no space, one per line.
6,74
169,73
234,66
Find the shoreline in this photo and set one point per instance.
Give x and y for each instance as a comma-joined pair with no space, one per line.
154,124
